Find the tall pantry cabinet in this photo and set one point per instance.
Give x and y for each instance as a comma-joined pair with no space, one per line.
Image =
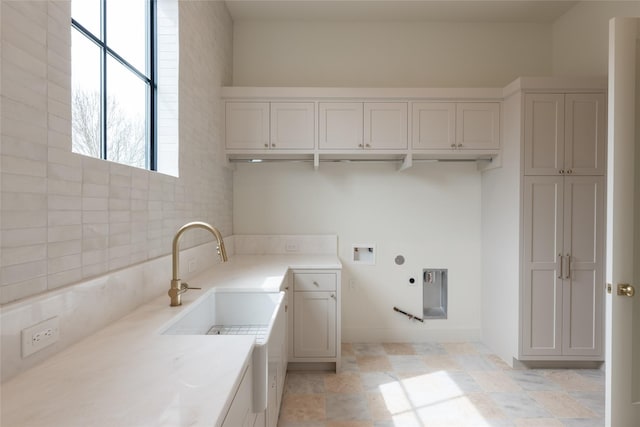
543,223
563,207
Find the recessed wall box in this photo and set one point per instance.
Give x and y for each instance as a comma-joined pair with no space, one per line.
364,254
434,293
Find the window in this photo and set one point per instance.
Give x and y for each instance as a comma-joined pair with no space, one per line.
114,80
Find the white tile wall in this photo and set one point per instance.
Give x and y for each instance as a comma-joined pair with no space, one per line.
65,218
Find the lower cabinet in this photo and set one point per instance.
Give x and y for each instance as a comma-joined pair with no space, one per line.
315,321
240,412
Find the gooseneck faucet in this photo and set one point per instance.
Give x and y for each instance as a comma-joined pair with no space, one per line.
177,287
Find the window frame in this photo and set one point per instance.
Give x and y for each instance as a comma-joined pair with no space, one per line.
150,80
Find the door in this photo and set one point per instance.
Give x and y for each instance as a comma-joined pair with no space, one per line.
385,125
247,125
314,324
585,134
623,223
292,125
340,126
478,126
582,291
434,125
541,300
543,134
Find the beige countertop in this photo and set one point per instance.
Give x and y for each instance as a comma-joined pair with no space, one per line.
128,374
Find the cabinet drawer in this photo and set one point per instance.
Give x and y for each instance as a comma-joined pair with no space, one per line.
314,282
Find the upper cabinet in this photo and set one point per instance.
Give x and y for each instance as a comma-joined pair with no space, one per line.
456,126
565,134
247,125
399,124
340,126
434,125
264,126
363,125
477,126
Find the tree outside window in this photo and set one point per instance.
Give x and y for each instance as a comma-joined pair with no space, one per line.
113,80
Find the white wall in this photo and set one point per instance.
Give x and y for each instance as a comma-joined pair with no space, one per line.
429,213
65,217
581,37
388,54
500,240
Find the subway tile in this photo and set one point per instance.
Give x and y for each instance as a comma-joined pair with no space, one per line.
59,249
95,204
65,188
59,140
23,202
19,290
57,280
19,166
63,233
23,272
23,219
64,263
23,254
61,156
57,218
95,217
23,237
95,190
64,203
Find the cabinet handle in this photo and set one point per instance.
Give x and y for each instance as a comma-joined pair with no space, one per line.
333,296
568,276
315,283
560,273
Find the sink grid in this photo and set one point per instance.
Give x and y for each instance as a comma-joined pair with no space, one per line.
259,331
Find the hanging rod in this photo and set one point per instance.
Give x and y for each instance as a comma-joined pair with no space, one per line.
353,160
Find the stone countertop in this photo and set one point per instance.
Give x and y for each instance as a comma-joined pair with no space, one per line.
128,374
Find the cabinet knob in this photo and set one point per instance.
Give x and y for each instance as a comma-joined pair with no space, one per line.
266,145
569,171
273,145
368,145
561,171
333,296
359,145
315,283
459,145
453,146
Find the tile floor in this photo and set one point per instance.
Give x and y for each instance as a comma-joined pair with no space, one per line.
430,384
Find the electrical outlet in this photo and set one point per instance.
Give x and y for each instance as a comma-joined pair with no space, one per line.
192,265
291,247
39,336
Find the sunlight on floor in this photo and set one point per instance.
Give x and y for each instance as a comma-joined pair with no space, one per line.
434,397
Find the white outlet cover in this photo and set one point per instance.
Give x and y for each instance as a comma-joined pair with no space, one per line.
40,335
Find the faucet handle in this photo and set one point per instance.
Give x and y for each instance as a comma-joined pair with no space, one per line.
186,286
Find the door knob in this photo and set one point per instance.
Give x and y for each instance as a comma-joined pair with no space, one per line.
626,290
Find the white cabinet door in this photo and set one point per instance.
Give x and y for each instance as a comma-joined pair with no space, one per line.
292,125
544,134
583,286
562,293
239,413
434,125
247,125
541,298
478,126
314,324
585,134
385,125
340,125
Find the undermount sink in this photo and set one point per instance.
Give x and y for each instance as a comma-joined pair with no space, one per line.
230,312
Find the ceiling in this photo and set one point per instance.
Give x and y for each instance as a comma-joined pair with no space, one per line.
536,11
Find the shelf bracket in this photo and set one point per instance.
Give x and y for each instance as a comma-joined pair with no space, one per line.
407,162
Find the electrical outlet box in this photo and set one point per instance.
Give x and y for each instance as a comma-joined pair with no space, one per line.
39,336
